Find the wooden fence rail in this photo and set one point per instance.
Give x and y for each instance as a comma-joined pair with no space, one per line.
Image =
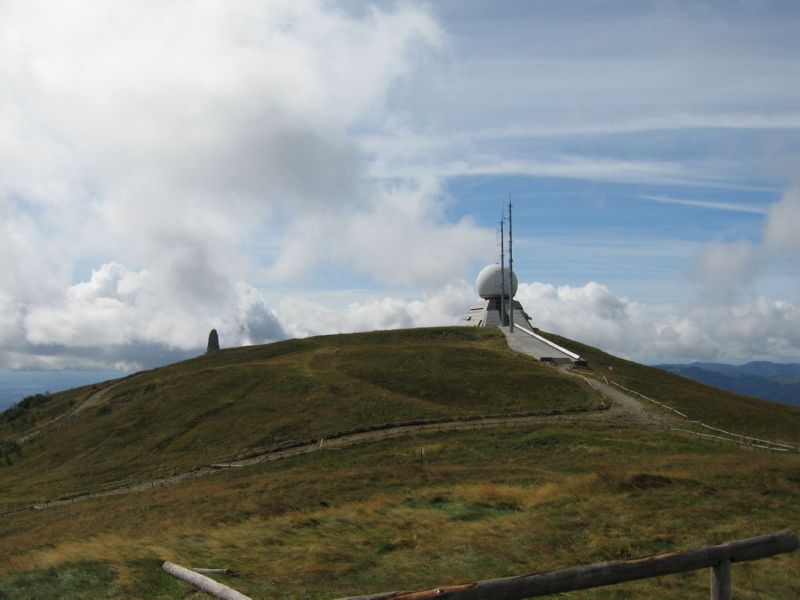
718,558
203,583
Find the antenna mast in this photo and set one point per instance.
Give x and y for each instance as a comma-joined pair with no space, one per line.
502,274
510,272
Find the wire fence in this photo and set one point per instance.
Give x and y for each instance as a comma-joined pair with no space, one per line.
739,438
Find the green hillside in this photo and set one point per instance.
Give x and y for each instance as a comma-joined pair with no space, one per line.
219,405
573,485
721,408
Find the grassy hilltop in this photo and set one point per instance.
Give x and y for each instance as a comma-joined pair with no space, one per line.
571,487
217,405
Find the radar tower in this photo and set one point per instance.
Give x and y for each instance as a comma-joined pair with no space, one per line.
510,271
502,274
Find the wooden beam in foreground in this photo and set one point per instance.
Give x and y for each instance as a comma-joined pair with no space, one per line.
608,573
203,583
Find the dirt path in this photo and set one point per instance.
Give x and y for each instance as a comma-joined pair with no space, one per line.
617,407
70,417
340,441
94,398
621,403
614,408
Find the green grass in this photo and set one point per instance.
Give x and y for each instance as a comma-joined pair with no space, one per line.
485,504
18,419
211,408
368,518
66,582
719,408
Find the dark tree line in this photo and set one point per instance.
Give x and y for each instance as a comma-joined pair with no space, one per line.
21,408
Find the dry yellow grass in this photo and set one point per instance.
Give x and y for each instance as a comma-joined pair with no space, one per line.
371,519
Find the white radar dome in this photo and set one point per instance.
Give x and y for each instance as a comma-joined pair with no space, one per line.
488,282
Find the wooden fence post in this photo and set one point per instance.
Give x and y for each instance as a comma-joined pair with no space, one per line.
721,581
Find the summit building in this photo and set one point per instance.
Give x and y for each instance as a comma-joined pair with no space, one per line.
497,287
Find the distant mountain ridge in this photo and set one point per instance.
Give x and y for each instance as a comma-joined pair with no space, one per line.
762,379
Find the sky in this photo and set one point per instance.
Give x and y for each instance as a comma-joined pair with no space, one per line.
287,168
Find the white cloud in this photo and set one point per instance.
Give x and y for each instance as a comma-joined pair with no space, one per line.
391,163
526,83
119,312
400,236
592,67
445,306
139,130
787,120
156,142
722,268
592,314
781,231
33,263
727,206
118,318
736,332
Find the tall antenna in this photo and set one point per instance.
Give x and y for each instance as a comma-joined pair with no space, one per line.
510,271
502,275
